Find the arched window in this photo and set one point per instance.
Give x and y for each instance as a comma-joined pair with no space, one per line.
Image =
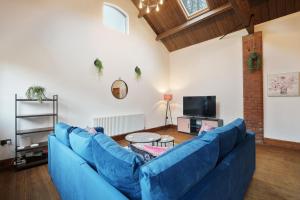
115,18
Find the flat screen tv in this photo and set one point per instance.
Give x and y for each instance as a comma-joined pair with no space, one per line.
200,106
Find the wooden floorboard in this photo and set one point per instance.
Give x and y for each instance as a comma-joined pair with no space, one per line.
29,184
277,176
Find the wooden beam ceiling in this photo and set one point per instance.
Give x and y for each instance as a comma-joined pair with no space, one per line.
196,20
141,14
243,12
176,32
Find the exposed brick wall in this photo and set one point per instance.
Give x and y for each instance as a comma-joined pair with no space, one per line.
253,87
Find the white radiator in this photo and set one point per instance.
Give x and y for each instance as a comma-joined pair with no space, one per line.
117,125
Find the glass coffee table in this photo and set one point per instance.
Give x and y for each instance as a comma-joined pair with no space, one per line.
165,139
143,137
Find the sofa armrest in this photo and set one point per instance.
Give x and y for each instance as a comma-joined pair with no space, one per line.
249,132
74,178
59,154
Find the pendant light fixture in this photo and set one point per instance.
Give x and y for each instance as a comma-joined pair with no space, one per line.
149,5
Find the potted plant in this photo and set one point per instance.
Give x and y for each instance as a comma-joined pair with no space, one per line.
98,64
138,72
36,92
254,62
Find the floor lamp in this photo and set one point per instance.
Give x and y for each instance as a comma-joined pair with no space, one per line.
168,98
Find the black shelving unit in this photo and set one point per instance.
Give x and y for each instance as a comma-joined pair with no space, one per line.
37,155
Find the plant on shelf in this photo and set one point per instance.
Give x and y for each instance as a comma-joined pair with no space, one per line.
138,72
254,61
98,65
36,92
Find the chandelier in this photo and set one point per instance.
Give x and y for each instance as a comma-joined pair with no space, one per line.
149,5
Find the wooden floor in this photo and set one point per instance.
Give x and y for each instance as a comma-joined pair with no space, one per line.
277,176
30,184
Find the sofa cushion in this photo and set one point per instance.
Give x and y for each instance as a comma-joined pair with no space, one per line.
228,137
94,130
208,136
81,143
117,165
62,133
206,126
241,126
172,174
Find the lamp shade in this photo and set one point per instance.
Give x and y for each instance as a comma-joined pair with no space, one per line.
168,97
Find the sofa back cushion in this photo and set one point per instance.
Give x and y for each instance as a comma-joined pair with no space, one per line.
228,137
119,166
241,126
172,174
81,143
62,133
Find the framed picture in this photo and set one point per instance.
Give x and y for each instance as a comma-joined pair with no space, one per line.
284,85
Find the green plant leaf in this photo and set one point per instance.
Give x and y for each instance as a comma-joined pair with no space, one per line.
36,92
138,71
98,64
254,61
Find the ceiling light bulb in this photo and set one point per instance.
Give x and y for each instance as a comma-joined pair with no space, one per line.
157,8
161,2
141,4
148,9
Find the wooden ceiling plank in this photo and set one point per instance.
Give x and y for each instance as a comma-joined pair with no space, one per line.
172,16
194,21
243,11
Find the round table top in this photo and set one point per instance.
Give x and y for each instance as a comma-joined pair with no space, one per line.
166,139
143,137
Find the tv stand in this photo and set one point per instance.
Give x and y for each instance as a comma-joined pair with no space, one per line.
192,124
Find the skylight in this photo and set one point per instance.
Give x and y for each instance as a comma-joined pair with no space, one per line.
193,7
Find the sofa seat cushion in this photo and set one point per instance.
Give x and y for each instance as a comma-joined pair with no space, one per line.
228,137
119,166
175,172
241,126
81,143
62,131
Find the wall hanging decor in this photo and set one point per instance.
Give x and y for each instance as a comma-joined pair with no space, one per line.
284,85
36,92
138,72
98,64
119,89
254,61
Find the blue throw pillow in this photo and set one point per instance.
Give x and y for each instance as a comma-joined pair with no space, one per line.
117,165
81,143
99,129
62,133
241,126
172,174
228,137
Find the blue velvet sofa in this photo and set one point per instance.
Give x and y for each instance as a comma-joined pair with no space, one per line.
217,165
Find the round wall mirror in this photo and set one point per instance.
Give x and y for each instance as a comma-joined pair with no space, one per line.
119,89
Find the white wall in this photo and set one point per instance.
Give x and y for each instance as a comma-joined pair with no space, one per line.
210,68
215,68
54,43
281,40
